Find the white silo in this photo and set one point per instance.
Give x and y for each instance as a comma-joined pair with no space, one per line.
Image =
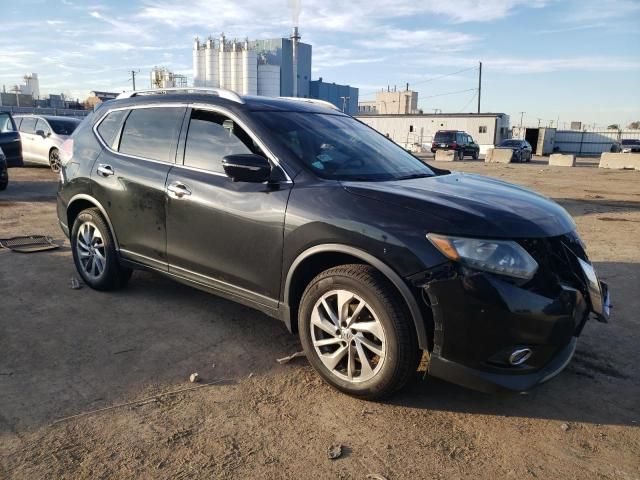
196,63
269,80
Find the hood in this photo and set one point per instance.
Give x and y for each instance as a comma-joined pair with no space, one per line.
471,205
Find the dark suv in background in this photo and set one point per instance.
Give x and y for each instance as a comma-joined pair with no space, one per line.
293,208
460,142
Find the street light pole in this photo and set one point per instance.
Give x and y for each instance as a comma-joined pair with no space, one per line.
521,115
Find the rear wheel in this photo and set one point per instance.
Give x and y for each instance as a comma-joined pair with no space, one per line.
356,332
476,154
460,154
94,252
54,160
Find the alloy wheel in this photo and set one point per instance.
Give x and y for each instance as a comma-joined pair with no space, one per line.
54,160
347,336
91,250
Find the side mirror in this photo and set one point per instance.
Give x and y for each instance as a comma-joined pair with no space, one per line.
247,168
41,133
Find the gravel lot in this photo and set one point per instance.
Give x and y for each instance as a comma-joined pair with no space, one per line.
64,352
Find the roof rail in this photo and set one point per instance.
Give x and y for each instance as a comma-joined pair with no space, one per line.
315,101
220,92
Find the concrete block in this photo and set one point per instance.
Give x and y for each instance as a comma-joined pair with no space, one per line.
446,156
620,161
498,155
561,160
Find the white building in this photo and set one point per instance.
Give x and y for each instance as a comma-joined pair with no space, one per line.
416,131
31,86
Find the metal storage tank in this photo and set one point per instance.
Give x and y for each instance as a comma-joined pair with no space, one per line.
269,80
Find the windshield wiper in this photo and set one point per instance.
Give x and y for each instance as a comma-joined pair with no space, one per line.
415,175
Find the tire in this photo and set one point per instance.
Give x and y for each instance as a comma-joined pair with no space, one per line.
382,324
476,155
54,160
92,246
460,155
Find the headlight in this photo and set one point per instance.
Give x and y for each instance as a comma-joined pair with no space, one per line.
497,256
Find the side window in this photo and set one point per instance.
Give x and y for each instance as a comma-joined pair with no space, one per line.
152,133
211,137
110,126
482,129
43,125
6,125
461,138
28,125
469,139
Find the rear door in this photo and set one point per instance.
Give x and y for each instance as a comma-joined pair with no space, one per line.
129,176
27,132
219,232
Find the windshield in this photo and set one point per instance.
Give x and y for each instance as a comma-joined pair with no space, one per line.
63,126
337,147
445,137
630,142
510,143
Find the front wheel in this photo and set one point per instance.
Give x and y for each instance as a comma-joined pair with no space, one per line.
94,252
54,160
460,154
476,154
356,332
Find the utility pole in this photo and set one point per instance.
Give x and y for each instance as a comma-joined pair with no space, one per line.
133,77
521,115
479,85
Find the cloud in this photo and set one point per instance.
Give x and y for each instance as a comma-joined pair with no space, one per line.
331,56
518,65
430,40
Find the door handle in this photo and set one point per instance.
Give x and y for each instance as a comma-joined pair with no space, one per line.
178,189
105,170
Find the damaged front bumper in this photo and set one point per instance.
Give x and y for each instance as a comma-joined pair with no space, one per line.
482,320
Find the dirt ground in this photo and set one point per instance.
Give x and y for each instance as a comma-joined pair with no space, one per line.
65,352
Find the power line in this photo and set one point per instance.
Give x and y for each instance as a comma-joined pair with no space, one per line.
469,102
370,92
451,93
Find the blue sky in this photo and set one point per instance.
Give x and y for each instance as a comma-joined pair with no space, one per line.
572,59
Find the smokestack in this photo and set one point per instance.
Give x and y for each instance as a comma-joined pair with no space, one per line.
295,38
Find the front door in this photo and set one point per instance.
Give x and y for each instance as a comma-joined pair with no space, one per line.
128,178
40,143
219,232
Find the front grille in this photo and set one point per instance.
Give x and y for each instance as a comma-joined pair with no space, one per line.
557,263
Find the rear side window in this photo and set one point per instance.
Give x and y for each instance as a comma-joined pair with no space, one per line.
28,125
110,126
211,137
152,133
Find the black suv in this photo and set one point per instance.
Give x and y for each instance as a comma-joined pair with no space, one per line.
460,142
376,259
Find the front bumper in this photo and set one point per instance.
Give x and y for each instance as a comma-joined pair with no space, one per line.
480,319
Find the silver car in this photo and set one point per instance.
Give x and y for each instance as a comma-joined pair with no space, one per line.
42,136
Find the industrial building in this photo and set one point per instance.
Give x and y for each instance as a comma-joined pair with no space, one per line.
416,131
277,67
394,102
344,97
161,77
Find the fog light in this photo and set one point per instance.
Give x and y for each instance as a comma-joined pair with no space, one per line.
519,356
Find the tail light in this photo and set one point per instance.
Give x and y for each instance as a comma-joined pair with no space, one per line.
66,151
454,145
